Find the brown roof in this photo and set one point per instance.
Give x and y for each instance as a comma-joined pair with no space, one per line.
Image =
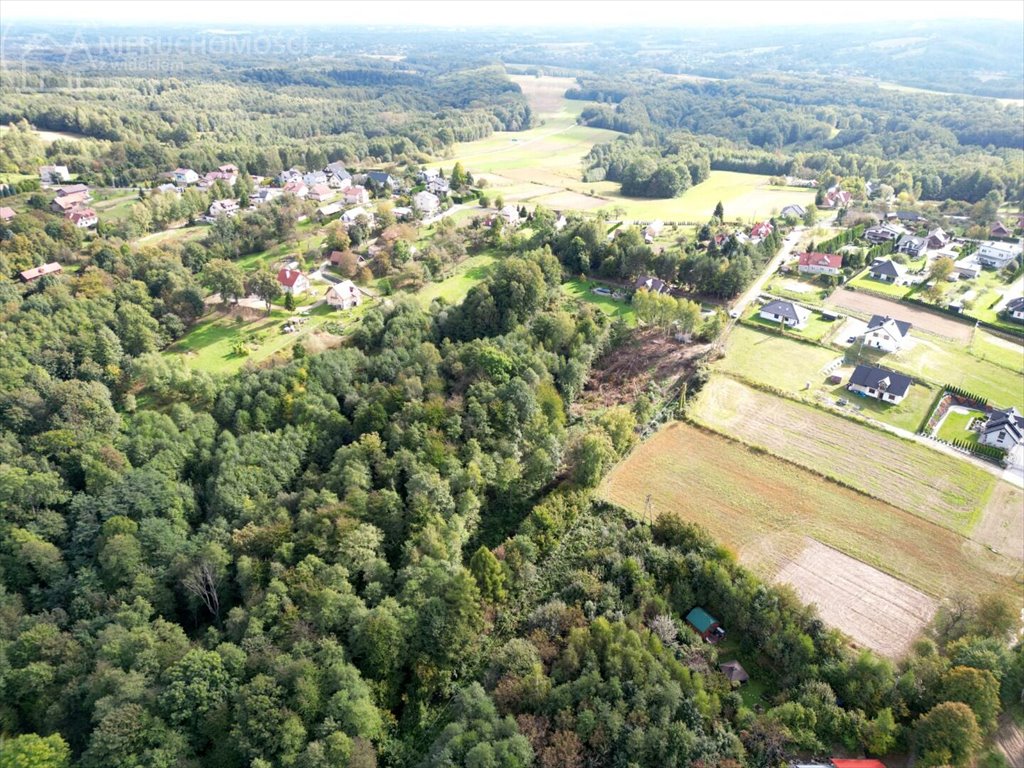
734,671
71,189
37,272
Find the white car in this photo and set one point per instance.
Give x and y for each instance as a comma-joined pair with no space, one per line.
734,314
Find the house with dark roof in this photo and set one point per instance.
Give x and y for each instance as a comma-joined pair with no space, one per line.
937,238
705,625
1004,429
910,217
999,230
879,383
820,263
382,179
652,284
882,233
912,245
885,333
734,672
786,312
887,271
337,175
1015,309
793,209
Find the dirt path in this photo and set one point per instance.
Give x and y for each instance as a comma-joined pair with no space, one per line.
921,318
875,609
1010,741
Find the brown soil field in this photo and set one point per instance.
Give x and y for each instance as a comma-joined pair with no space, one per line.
873,608
544,94
932,485
1002,523
763,508
921,318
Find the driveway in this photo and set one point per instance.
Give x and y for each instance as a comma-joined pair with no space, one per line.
788,246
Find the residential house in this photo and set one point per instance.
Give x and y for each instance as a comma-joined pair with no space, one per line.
219,208
425,202
705,625
652,284
997,255
6,214
292,281
887,271
734,672
968,267
510,214
313,178
786,312
83,218
264,195
879,383
344,295
820,263
402,212
885,333
836,198
382,179
999,230
184,176
297,187
320,193
357,195
560,223
337,176
761,230
427,174
352,214
70,190
937,238
652,230
286,177
331,209
164,189
438,186
67,203
910,217
53,268
912,245
797,211
883,233
226,173
336,257
1004,429
1015,309
54,174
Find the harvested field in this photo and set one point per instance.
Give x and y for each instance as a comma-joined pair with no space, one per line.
932,485
1002,524
762,508
873,608
544,94
921,318
624,372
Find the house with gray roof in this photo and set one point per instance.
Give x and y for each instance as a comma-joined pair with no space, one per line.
879,383
885,333
887,271
786,312
1015,309
1004,429
912,245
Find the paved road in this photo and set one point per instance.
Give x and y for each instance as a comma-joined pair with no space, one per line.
1012,292
788,245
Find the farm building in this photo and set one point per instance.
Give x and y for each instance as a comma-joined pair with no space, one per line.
292,281
53,268
885,333
344,295
734,671
786,312
820,263
705,625
879,383
1015,309
887,271
1004,429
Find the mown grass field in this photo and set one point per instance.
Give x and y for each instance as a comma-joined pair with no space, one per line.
866,282
940,488
454,288
581,290
817,327
954,426
1001,352
762,508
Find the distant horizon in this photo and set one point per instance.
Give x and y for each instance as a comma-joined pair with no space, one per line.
449,14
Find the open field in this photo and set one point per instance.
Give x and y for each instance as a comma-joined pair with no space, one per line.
933,485
581,290
873,608
988,346
453,289
48,137
1002,525
546,93
921,318
763,507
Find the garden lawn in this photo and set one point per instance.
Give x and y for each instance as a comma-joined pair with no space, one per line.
863,281
816,329
453,289
581,290
954,427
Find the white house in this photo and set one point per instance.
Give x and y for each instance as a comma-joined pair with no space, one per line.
218,208
820,263
83,218
264,195
793,209
426,202
344,295
357,195
885,333
1015,309
292,174
184,176
54,174
887,271
298,188
786,312
352,214
510,214
315,177
292,281
1004,429
320,192
438,186
997,255
888,386
337,176
652,230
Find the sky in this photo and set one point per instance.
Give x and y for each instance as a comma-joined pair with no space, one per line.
545,13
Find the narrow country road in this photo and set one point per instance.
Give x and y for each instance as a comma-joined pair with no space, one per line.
788,245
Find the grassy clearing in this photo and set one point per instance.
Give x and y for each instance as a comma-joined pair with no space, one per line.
581,290
927,483
954,427
775,360
1001,352
864,282
763,507
454,288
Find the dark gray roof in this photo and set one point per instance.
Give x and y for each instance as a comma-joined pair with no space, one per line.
652,284
909,216
786,309
337,169
877,321
1015,304
879,378
1009,419
913,239
381,177
885,267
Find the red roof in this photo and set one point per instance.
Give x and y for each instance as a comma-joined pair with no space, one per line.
82,213
857,763
833,260
763,229
45,269
6,213
288,277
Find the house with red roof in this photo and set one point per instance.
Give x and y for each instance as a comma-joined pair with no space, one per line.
320,193
67,203
820,263
762,230
839,763
83,218
297,188
292,281
53,268
836,198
